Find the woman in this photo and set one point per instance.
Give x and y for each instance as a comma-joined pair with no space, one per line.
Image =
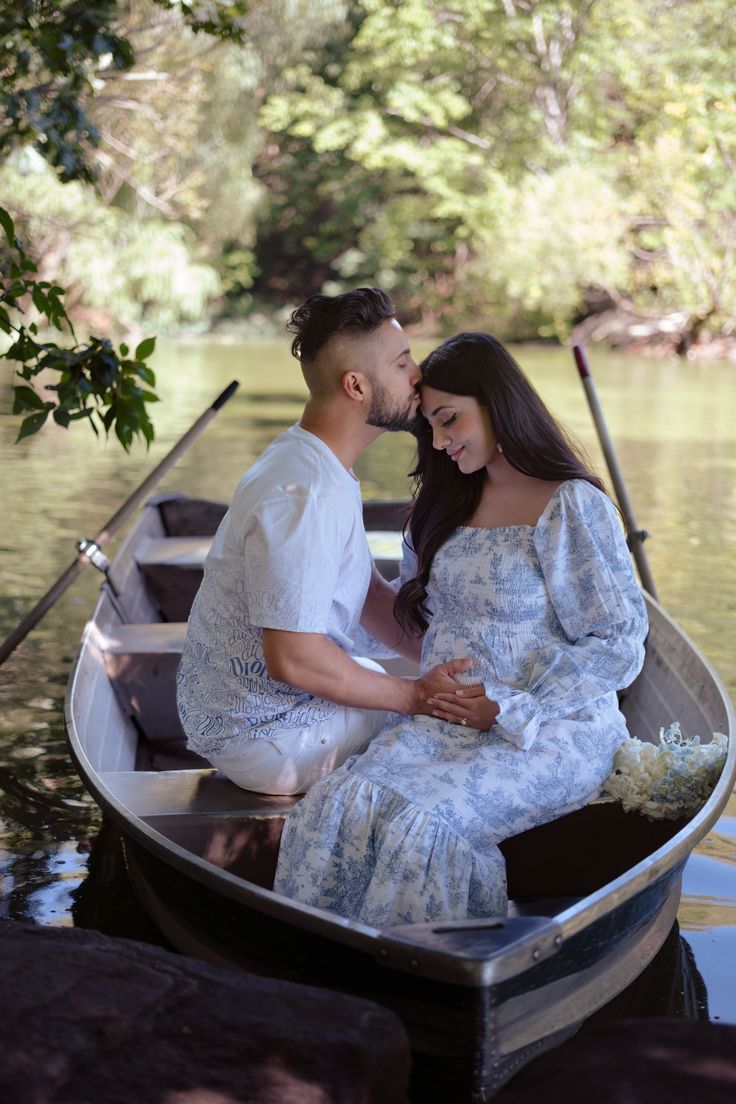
518,560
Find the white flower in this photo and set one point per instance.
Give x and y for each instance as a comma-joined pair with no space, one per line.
667,780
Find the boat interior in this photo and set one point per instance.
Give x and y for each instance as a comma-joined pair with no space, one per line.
124,712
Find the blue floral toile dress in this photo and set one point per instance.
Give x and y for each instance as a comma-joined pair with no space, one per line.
553,618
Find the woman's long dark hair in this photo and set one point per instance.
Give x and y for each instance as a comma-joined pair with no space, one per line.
477,364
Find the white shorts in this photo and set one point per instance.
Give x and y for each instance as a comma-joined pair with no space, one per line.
298,759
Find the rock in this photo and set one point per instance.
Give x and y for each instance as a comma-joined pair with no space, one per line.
93,1020
645,1061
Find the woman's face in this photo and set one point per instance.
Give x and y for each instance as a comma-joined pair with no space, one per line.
461,427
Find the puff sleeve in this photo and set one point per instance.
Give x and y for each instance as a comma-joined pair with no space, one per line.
590,580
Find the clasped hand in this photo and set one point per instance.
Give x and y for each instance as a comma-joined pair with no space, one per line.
446,698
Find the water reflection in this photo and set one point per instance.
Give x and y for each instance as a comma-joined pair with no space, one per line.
674,427
671,985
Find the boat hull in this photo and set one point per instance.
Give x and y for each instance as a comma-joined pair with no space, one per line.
468,1039
595,893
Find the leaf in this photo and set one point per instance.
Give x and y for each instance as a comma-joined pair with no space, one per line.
27,399
31,425
146,374
145,348
124,434
147,431
124,350
7,224
40,301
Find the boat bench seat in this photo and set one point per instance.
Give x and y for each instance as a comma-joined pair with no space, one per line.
173,567
209,816
141,663
199,791
238,830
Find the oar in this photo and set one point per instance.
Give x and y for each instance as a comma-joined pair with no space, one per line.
90,551
635,537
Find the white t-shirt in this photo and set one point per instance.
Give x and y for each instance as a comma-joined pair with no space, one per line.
291,553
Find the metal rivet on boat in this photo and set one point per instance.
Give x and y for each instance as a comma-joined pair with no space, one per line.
414,963
536,953
323,740
558,941
383,953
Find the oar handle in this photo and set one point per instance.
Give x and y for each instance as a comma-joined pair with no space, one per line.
67,578
634,535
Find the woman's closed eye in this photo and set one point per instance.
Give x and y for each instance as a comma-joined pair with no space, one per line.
449,422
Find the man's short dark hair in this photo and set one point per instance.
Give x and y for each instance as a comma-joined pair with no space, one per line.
355,312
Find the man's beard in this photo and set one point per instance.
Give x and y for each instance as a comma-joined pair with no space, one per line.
385,416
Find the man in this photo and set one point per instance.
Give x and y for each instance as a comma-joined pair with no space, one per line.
268,689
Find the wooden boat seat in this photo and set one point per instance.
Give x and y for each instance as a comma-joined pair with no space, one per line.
141,663
199,791
173,567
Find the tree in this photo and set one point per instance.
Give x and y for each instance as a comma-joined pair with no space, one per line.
523,152
56,58
94,382
57,54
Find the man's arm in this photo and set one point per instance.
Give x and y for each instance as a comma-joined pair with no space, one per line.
378,618
311,662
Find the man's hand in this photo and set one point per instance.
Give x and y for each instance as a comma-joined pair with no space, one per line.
467,706
440,680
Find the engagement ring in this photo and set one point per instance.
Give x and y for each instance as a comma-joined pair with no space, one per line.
464,721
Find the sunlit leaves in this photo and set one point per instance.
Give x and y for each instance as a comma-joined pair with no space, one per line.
55,53
91,380
524,152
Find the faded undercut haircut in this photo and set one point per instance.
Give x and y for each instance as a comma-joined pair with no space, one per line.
352,314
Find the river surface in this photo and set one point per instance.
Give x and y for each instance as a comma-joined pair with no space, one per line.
674,427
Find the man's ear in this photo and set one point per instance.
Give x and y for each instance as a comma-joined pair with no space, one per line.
355,385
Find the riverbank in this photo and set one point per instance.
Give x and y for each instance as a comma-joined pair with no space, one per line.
673,335
617,329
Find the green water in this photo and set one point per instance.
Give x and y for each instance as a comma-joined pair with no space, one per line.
673,425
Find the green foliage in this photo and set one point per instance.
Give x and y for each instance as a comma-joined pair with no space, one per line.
51,51
94,382
121,273
57,55
505,163
225,21
60,62
514,159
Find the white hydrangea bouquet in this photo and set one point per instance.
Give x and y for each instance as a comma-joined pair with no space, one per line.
671,779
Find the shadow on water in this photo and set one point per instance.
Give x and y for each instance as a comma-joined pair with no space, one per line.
105,900
670,986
